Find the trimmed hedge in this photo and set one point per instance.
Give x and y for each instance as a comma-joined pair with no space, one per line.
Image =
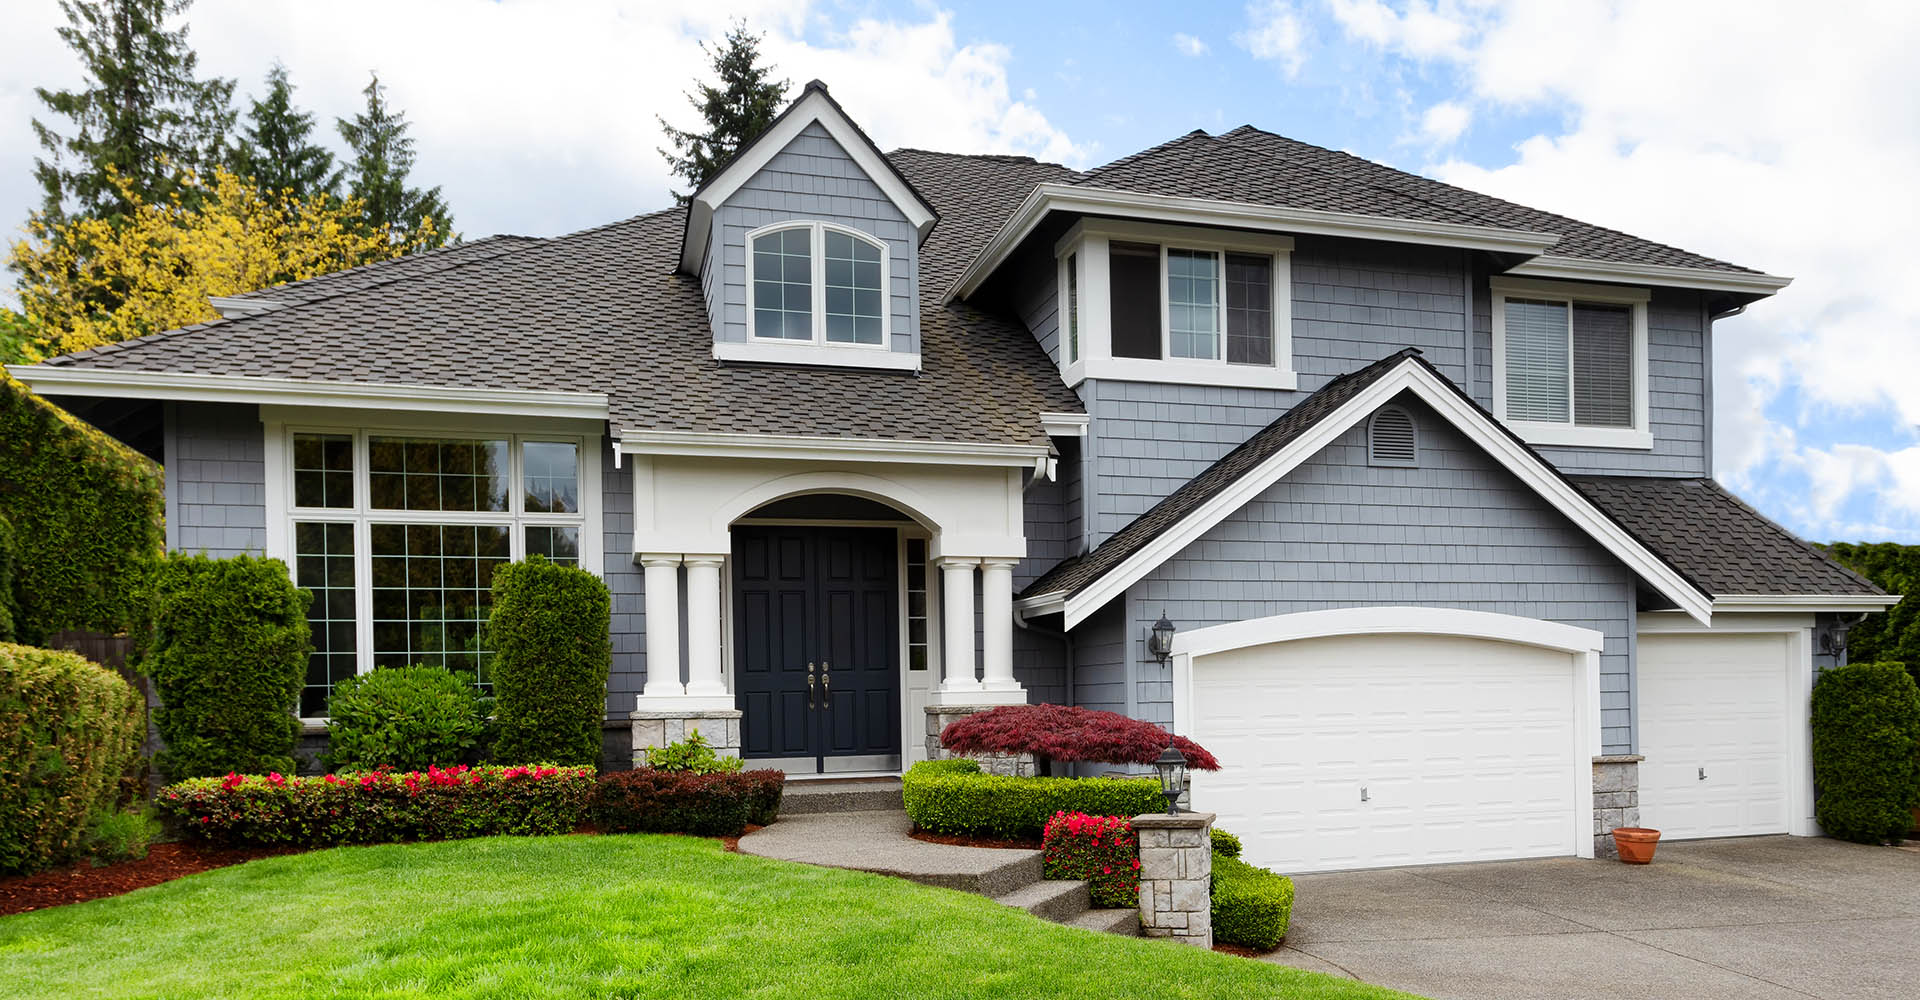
1251,906
551,631
1102,850
226,643
720,804
1225,844
1893,634
68,730
7,558
953,797
381,806
408,718
87,515
1866,751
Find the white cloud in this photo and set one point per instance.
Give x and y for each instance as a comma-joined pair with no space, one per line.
1189,45
1421,30
1275,32
1445,122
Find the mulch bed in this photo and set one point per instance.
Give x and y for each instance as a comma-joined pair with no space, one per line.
1243,951
1018,843
163,863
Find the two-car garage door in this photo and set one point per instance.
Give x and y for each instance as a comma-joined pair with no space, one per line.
1357,751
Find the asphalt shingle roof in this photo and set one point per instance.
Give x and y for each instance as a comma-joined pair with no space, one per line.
1717,539
379,273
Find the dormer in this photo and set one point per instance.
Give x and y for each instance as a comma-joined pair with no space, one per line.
807,246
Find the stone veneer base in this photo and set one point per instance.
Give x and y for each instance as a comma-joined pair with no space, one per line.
939,716
1616,799
1176,876
719,727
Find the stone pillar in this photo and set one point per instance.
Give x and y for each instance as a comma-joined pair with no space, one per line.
956,628
1616,799
1176,876
704,678
996,614
719,727
663,627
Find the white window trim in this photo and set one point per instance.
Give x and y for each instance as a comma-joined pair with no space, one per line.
1090,240
280,426
1640,435
817,242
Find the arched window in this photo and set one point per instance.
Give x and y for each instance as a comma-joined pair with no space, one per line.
1392,438
817,282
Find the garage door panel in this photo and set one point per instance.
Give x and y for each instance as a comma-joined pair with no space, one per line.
1713,712
1464,748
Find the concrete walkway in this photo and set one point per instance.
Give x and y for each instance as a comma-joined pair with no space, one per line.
876,841
1760,917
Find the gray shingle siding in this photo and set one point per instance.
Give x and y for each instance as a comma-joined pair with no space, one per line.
1458,531
1100,659
623,577
812,178
216,479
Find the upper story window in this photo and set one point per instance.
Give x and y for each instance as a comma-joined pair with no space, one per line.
815,282
1160,303
1570,363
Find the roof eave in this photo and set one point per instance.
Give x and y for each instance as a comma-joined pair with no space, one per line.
1751,284
77,380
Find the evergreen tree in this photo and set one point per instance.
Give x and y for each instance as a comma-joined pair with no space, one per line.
382,159
274,149
741,107
142,112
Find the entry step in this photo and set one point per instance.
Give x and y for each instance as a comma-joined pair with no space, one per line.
835,796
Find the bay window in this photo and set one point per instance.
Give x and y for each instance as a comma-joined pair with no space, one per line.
1570,363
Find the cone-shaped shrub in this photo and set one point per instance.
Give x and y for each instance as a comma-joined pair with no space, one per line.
552,649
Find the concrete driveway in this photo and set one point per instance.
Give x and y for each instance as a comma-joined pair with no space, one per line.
1754,917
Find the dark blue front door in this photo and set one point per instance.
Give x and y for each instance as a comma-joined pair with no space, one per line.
816,654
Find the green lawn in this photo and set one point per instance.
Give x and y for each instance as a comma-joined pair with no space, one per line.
632,916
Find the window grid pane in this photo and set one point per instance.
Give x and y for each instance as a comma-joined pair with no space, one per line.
1249,301
551,473
323,564
1537,361
1602,365
323,470
855,299
432,593
561,545
783,284
437,474
1193,296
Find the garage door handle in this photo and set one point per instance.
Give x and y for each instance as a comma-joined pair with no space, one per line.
1703,774
1363,793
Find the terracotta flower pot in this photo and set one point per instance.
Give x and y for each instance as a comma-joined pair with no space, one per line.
1636,844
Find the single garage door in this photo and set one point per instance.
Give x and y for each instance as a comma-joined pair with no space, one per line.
1713,729
1373,750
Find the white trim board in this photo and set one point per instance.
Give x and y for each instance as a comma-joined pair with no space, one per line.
1408,376
1703,278
64,380
1790,603
795,446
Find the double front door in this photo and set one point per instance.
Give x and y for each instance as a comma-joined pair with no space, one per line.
816,654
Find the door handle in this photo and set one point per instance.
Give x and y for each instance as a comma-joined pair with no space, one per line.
826,685
810,705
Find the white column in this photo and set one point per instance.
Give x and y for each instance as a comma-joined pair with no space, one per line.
663,627
956,624
996,615
704,678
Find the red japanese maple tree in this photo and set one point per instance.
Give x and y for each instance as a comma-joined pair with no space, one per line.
1065,733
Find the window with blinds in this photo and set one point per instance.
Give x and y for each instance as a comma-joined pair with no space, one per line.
1569,362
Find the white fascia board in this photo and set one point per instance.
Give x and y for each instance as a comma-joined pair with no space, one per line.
1706,279
804,447
1046,198
61,380
1841,603
234,308
1066,424
814,106
1408,375
807,352
1043,604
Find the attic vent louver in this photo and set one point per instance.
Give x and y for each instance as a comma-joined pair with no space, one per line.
1392,439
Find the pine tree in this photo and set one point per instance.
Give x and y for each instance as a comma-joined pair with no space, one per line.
274,149
141,114
382,159
741,107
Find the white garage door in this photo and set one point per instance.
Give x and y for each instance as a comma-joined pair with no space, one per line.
1713,729
1375,750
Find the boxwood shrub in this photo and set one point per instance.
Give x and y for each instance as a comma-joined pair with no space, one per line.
380,806
953,797
1866,751
1224,843
226,642
407,718
1251,906
716,804
552,641
68,731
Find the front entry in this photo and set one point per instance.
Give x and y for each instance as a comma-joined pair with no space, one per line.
816,654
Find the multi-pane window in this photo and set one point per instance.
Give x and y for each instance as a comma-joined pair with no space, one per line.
816,282
1218,305
917,604
1569,362
1193,304
1073,307
405,575
1249,296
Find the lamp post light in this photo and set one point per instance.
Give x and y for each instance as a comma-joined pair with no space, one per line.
1172,765
1160,643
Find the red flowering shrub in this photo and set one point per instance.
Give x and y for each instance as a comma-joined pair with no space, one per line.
380,806
647,800
1065,733
1103,850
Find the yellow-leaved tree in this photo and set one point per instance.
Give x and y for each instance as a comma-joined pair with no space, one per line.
85,282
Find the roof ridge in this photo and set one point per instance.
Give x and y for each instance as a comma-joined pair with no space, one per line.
997,157
388,261
1150,150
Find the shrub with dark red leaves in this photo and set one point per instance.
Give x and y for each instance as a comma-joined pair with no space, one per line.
1103,850
1065,733
646,800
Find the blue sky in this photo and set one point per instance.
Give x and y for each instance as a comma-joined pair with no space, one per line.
1745,130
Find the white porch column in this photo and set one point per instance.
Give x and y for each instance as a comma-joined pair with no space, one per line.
704,678
956,625
663,627
996,614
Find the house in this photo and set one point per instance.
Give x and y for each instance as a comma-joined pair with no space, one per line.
1420,479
